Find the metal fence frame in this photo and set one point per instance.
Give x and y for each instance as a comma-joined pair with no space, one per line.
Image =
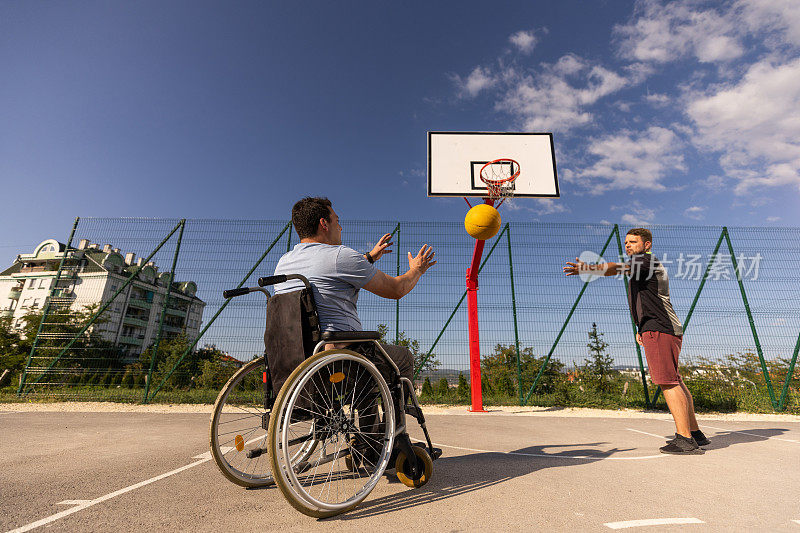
26,385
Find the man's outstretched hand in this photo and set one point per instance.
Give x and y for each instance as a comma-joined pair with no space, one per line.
382,247
573,269
423,260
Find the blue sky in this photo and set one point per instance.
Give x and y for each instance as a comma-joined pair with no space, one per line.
678,113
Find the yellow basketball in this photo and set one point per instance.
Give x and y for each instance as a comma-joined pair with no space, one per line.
482,222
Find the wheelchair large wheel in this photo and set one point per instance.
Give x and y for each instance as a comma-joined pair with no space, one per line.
340,398
238,433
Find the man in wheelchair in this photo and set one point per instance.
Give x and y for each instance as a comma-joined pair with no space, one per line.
337,274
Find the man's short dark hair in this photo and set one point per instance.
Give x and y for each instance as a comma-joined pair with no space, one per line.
644,233
307,213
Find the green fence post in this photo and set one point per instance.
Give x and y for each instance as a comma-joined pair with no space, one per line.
289,242
105,306
703,281
397,302
450,318
154,349
221,308
648,403
782,404
564,326
46,309
514,311
750,319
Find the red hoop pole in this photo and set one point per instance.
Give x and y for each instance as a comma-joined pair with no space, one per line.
472,318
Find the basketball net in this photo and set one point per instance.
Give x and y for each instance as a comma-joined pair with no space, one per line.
499,176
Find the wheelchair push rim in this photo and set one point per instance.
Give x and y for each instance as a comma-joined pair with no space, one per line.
237,428
340,474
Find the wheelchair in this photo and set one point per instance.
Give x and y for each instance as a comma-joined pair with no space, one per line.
333,426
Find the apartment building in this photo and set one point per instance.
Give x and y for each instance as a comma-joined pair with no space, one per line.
92,275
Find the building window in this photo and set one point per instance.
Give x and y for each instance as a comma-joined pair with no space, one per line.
32,283
25,302
42,283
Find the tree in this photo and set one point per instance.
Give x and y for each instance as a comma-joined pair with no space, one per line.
463,388
87,355
600,366
499,370
428,365
427,388
13,350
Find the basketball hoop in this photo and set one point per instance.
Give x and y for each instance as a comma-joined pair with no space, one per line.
499,176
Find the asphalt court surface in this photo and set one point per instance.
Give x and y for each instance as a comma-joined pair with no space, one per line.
137,471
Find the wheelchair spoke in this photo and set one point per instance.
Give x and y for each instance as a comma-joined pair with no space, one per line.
237,420
345,396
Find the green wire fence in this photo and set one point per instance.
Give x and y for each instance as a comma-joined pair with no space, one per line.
128,308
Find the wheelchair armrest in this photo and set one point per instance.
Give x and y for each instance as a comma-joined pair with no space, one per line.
337,336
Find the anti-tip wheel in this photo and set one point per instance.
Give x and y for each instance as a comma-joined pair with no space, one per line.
402,467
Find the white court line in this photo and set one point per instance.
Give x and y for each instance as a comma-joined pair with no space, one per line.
751,434
646,433
796,522
73,502
653,522
89,503
587,457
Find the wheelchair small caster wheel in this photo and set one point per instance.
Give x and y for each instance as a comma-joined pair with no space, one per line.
402,467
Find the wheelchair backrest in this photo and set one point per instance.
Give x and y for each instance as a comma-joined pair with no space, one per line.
292,331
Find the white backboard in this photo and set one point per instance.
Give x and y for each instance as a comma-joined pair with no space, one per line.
456,157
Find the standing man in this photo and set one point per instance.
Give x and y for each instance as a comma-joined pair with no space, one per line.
337,273
658,330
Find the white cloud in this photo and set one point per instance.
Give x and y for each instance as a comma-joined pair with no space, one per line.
558,96
661,33
525,41
658,100
773,219
549,206
478,80
780,19
754,124
695,212
632,160
637,215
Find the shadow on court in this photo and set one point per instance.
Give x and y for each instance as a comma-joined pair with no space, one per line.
723,439
454,476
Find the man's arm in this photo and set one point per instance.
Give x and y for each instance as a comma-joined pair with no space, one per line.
395,288
602,269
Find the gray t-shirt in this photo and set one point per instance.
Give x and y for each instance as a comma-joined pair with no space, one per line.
336,274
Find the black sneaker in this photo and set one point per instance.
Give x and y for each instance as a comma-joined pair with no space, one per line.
680,445
698,436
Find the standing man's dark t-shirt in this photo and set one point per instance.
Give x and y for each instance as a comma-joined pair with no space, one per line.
648,296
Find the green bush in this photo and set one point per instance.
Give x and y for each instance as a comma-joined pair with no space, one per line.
427,389
462,391
443,390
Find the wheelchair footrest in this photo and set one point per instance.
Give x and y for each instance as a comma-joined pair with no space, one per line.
437,452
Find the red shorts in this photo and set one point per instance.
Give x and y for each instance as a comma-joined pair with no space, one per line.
661,351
